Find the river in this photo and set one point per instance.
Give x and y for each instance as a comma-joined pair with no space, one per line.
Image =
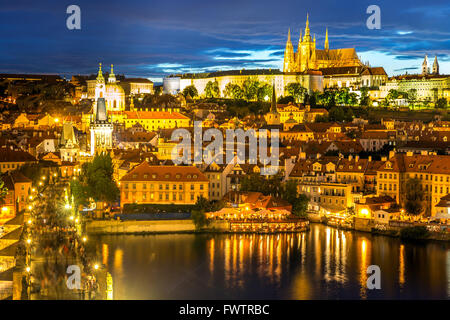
323,263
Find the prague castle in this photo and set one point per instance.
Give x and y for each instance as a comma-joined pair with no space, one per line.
308,57
315,69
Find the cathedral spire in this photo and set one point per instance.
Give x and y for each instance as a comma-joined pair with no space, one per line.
326,45
435,66
307,25
288,64
425,65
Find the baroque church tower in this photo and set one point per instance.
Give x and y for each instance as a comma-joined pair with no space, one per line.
101,128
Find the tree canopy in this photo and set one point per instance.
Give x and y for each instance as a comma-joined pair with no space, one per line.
96,181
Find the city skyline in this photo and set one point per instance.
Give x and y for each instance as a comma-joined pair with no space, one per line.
177,37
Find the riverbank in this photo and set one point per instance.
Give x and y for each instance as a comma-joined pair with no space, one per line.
130,227
392,229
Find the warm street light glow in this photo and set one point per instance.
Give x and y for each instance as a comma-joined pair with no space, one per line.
96,266
30,207
71,217
28,241
76,220
28,269
29,221
43,178
33,190
84,239
67,206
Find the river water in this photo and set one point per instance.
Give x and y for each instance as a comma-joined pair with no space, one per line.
324,263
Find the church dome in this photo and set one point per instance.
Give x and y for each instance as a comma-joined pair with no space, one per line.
114,88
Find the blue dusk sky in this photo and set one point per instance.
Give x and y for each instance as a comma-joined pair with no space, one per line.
152,39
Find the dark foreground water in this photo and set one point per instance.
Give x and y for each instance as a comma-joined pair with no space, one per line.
324,263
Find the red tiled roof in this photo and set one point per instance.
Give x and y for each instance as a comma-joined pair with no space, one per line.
147,172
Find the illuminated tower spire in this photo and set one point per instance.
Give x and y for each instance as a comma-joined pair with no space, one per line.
288,64
307,25
425,65
326,45
112,76
100,74
435,66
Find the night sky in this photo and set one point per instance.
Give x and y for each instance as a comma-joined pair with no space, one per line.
155,38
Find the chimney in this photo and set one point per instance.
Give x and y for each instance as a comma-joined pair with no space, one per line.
391,154
350,157
356,158
303,155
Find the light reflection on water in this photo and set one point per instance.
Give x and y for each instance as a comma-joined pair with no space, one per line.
324,263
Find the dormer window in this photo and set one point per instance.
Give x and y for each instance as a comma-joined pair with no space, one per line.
388,165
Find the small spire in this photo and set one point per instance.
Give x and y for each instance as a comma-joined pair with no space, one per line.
300,40
112,77
273,106
100,73
289,35
326,45
307,26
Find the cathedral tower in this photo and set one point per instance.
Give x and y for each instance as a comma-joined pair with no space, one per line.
289,62
326,46
435,66
425,65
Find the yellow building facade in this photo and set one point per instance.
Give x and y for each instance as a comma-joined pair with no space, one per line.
149,184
